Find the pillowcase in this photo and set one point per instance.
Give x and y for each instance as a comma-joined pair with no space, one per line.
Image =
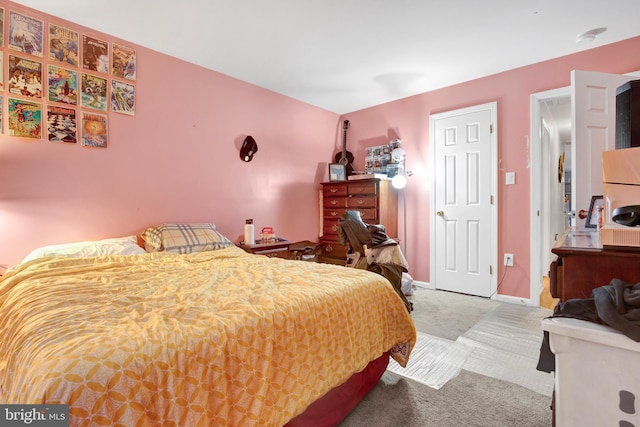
113,246
184,238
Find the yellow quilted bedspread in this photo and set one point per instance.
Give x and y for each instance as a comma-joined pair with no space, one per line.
214,338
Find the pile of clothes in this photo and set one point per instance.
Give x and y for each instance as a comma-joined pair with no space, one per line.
371,249
616,305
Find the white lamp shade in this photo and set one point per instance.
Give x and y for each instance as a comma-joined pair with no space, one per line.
399,181
397,154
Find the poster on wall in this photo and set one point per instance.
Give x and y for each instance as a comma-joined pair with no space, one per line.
94,130
25,118
1,26
63,85
124,62
61,124
1,71
93,92
63,45
1,117
123,97
25,77
25,34
95,54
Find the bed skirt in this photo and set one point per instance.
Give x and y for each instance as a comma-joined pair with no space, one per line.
333,407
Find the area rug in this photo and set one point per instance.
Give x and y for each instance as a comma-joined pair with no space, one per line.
433,361
506,346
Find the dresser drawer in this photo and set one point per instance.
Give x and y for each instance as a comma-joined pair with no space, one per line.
333,250
332,217
334,190
333,214
362,188
361,202
368,215
334,202
331,228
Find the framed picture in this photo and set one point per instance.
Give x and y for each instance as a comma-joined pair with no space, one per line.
597,202
337,172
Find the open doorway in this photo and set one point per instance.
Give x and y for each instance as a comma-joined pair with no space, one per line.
551,175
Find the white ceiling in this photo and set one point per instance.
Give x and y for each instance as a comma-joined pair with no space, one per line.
345,55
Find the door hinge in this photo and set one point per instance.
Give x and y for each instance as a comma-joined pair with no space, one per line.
491,199
490,269
491,128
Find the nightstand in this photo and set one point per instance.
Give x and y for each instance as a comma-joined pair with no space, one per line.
278,249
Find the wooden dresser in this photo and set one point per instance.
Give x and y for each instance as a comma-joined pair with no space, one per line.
582,264
375,199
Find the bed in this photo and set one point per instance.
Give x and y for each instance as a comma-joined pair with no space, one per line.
211,337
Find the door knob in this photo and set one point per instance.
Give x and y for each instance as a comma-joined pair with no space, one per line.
582,214
440,213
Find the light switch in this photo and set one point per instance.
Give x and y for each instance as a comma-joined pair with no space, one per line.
510,178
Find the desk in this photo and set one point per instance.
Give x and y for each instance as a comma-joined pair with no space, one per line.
582,264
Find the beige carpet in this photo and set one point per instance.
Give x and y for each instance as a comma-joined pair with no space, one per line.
468,399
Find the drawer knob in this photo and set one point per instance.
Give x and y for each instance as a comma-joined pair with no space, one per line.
333,190
334,202
335,228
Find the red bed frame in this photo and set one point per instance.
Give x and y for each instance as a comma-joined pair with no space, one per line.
333,407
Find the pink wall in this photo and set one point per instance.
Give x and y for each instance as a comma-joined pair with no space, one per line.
177,159
408,119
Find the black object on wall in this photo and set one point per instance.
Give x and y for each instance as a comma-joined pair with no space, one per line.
628,115
249,148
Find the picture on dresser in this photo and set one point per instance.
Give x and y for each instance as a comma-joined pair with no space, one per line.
337,172
595,210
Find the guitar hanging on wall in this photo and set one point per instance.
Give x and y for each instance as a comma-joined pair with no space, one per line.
345,157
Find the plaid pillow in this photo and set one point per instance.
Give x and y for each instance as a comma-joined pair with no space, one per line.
184,238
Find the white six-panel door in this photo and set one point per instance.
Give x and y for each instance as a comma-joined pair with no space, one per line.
593,113
463,230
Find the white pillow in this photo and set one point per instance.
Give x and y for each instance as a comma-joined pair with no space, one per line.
114,246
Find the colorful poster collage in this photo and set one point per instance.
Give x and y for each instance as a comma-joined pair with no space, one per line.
62,85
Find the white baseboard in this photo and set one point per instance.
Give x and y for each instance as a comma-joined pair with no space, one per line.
425,285
504,298
517,300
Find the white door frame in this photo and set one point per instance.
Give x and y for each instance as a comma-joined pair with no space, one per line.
493,106
537,191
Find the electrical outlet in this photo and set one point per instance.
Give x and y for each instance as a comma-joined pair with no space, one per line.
508,260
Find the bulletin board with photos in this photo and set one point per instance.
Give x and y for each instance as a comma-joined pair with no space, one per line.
378,160
61,85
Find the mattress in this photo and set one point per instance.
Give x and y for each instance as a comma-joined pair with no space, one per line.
213,338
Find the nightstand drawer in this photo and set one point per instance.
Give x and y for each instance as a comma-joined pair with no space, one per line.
274,253
278,249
